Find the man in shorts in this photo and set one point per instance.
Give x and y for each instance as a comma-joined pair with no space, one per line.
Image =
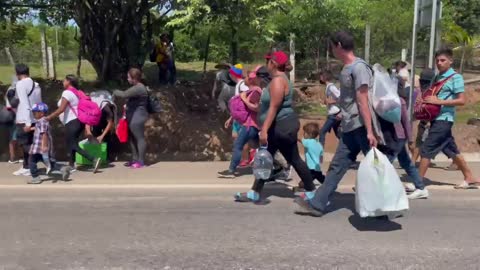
440,137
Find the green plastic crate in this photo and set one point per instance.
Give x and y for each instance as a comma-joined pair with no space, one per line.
98,150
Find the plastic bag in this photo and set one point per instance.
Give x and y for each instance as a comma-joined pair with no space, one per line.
122,130
379,191
385,98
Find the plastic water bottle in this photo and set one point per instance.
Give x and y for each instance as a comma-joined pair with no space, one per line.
263,164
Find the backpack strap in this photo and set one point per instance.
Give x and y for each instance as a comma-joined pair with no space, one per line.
33,88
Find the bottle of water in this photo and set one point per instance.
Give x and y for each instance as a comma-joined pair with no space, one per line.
263,164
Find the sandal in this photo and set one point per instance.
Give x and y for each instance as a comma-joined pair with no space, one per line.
466,185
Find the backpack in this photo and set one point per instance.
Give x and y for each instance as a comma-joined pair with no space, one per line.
153,103
238,109
428,112
88,111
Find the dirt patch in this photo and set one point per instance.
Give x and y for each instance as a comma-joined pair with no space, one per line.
191,129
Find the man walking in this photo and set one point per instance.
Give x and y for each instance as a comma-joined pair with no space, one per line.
28,93
359,123
440,136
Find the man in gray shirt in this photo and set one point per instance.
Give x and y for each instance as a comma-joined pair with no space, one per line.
359,123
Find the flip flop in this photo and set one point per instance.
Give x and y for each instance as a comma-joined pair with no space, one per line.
466,185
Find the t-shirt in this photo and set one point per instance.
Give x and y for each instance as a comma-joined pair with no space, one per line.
450,90
227,92
68,115
331,91
24,109
107,115
254,97
352,77
42,126
241,87
313,152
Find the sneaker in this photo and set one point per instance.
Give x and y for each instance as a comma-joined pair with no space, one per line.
96,164
251,159
49,170
66,171
304,208
244,164
409,187
35,181
285,175
22,172
418,194
128,164
227,174
13,161
250,196
137,165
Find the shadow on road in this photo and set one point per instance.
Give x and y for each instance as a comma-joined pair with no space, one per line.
373,224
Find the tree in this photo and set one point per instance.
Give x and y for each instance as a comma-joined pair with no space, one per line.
113,33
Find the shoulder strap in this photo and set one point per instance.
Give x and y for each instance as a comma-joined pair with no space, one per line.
33,88
439,85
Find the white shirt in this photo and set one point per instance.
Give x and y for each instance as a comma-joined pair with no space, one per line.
24,110
241,87
331,91
68,115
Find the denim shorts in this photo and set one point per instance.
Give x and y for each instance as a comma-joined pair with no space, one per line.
439,139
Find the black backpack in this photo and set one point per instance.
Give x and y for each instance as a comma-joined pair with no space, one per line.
153,103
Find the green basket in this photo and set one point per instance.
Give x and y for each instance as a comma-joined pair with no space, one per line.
97,150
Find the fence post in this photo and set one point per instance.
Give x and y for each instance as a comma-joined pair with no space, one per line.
43,37
9,55
367,43
292,57
51,64
404,55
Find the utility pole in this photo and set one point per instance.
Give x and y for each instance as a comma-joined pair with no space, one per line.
433,31
292,57
414,47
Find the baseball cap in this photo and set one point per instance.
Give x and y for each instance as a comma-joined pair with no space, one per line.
40,107
263,73
279,57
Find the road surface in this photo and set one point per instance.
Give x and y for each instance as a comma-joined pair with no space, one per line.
128,227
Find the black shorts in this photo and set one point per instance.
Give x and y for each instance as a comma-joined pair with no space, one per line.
439,139
24,138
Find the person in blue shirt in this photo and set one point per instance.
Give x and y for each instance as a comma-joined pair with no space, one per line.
440,137
313,152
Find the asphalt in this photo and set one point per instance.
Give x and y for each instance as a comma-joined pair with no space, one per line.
112,228
180,216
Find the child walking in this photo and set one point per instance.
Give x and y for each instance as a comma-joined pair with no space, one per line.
313,152
42,146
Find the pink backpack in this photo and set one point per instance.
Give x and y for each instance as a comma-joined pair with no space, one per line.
88,111
238,109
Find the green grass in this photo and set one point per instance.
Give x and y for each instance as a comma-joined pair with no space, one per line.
185,71
310,109
467,112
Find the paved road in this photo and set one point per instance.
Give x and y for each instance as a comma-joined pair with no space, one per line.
202,228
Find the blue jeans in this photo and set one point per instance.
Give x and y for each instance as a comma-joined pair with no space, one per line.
412,171
351,144
245,134
331,123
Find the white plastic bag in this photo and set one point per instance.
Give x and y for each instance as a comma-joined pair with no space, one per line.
385,98
379,191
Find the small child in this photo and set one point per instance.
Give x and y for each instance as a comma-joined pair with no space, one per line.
42,146
313,152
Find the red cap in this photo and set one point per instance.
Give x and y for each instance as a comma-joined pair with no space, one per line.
279,57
